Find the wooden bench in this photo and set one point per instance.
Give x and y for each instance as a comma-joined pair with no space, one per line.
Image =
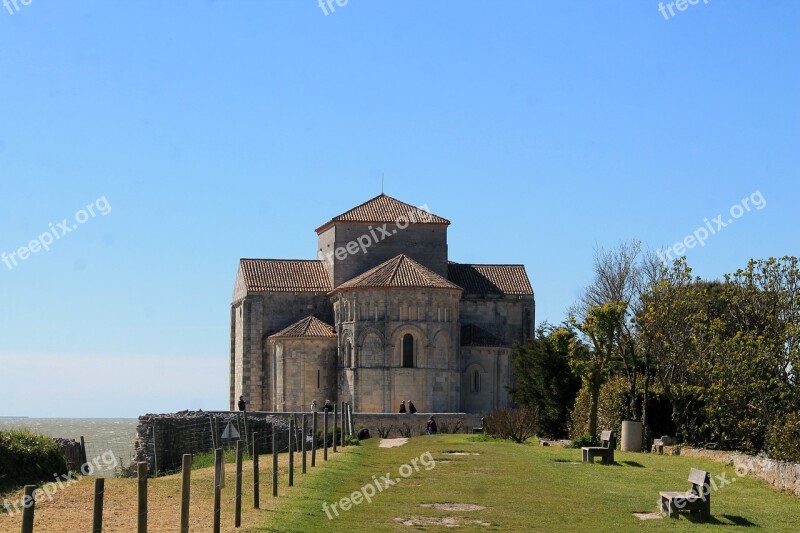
698,498
606,451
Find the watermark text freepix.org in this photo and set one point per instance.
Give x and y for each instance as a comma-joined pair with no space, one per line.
375,235
715,225
378,484
8,3
681,5
105,461
55,232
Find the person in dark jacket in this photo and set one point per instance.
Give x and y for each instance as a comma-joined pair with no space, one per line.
432,430
403,406
411,408
328,406
242,403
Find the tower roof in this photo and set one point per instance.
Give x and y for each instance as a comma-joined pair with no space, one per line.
308,327
384,208
399,272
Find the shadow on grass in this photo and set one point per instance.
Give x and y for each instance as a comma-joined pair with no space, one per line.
633,463
731,520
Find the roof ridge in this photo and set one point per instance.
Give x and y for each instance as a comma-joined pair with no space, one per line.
271,259
400,258
393,274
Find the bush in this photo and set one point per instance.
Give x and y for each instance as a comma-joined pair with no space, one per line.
351,441
783,439
585,440
446,427
27,458
611,410
517,424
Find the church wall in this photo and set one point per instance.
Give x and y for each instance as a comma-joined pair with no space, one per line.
425,243
508,317
282,309
375,321
256,317
494,367
305,370
247,368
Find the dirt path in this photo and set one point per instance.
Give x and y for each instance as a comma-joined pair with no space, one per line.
392,443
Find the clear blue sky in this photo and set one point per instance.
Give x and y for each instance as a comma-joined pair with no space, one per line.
220,130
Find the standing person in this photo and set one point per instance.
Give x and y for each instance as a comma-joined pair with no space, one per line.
432,426
313,406
242,403
411,408
403,406
328,406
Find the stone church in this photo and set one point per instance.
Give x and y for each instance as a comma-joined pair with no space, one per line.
379,317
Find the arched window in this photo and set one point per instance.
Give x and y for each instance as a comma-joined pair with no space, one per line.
476,381
408,351
348,354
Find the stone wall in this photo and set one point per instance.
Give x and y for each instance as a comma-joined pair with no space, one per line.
416,422
778,474
162,439
72,452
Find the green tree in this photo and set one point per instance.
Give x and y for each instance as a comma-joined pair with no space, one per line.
544,380
594,363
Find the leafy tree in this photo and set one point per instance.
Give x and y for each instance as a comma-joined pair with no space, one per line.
544,380
726,354
595,362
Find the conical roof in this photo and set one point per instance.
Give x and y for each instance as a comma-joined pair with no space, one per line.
399,272
308,327
384,208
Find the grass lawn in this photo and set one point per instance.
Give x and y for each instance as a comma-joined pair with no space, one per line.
523,488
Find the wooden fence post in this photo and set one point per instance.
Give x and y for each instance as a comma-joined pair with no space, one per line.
314,439
341,428
213,442
28,508
97,517
186,469
256,495
325,434
247,439
83,452
219,466
291,451
303,434
352,423
155,451
141,520
240,445
274,463
335,421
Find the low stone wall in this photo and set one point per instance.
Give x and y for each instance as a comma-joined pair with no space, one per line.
778,474
400,425
162,439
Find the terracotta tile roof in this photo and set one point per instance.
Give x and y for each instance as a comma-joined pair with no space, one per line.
384,208
290,275
490,279
308,327
472,335
400,271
